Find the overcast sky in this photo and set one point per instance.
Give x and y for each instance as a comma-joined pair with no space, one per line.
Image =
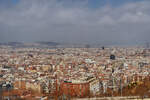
75,21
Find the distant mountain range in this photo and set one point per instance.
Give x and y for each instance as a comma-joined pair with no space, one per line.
20,44
12,43
51,44
48,43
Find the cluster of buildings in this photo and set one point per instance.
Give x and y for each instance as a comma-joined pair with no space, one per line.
72,72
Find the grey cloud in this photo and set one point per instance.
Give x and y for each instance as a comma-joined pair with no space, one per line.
65,21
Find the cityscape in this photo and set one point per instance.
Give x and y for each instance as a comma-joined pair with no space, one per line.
65,73
74,50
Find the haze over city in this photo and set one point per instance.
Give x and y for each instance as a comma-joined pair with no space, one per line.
106,22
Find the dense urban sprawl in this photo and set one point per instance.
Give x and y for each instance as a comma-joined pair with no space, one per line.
72,72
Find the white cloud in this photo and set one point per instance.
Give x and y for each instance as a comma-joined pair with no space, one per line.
64,21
